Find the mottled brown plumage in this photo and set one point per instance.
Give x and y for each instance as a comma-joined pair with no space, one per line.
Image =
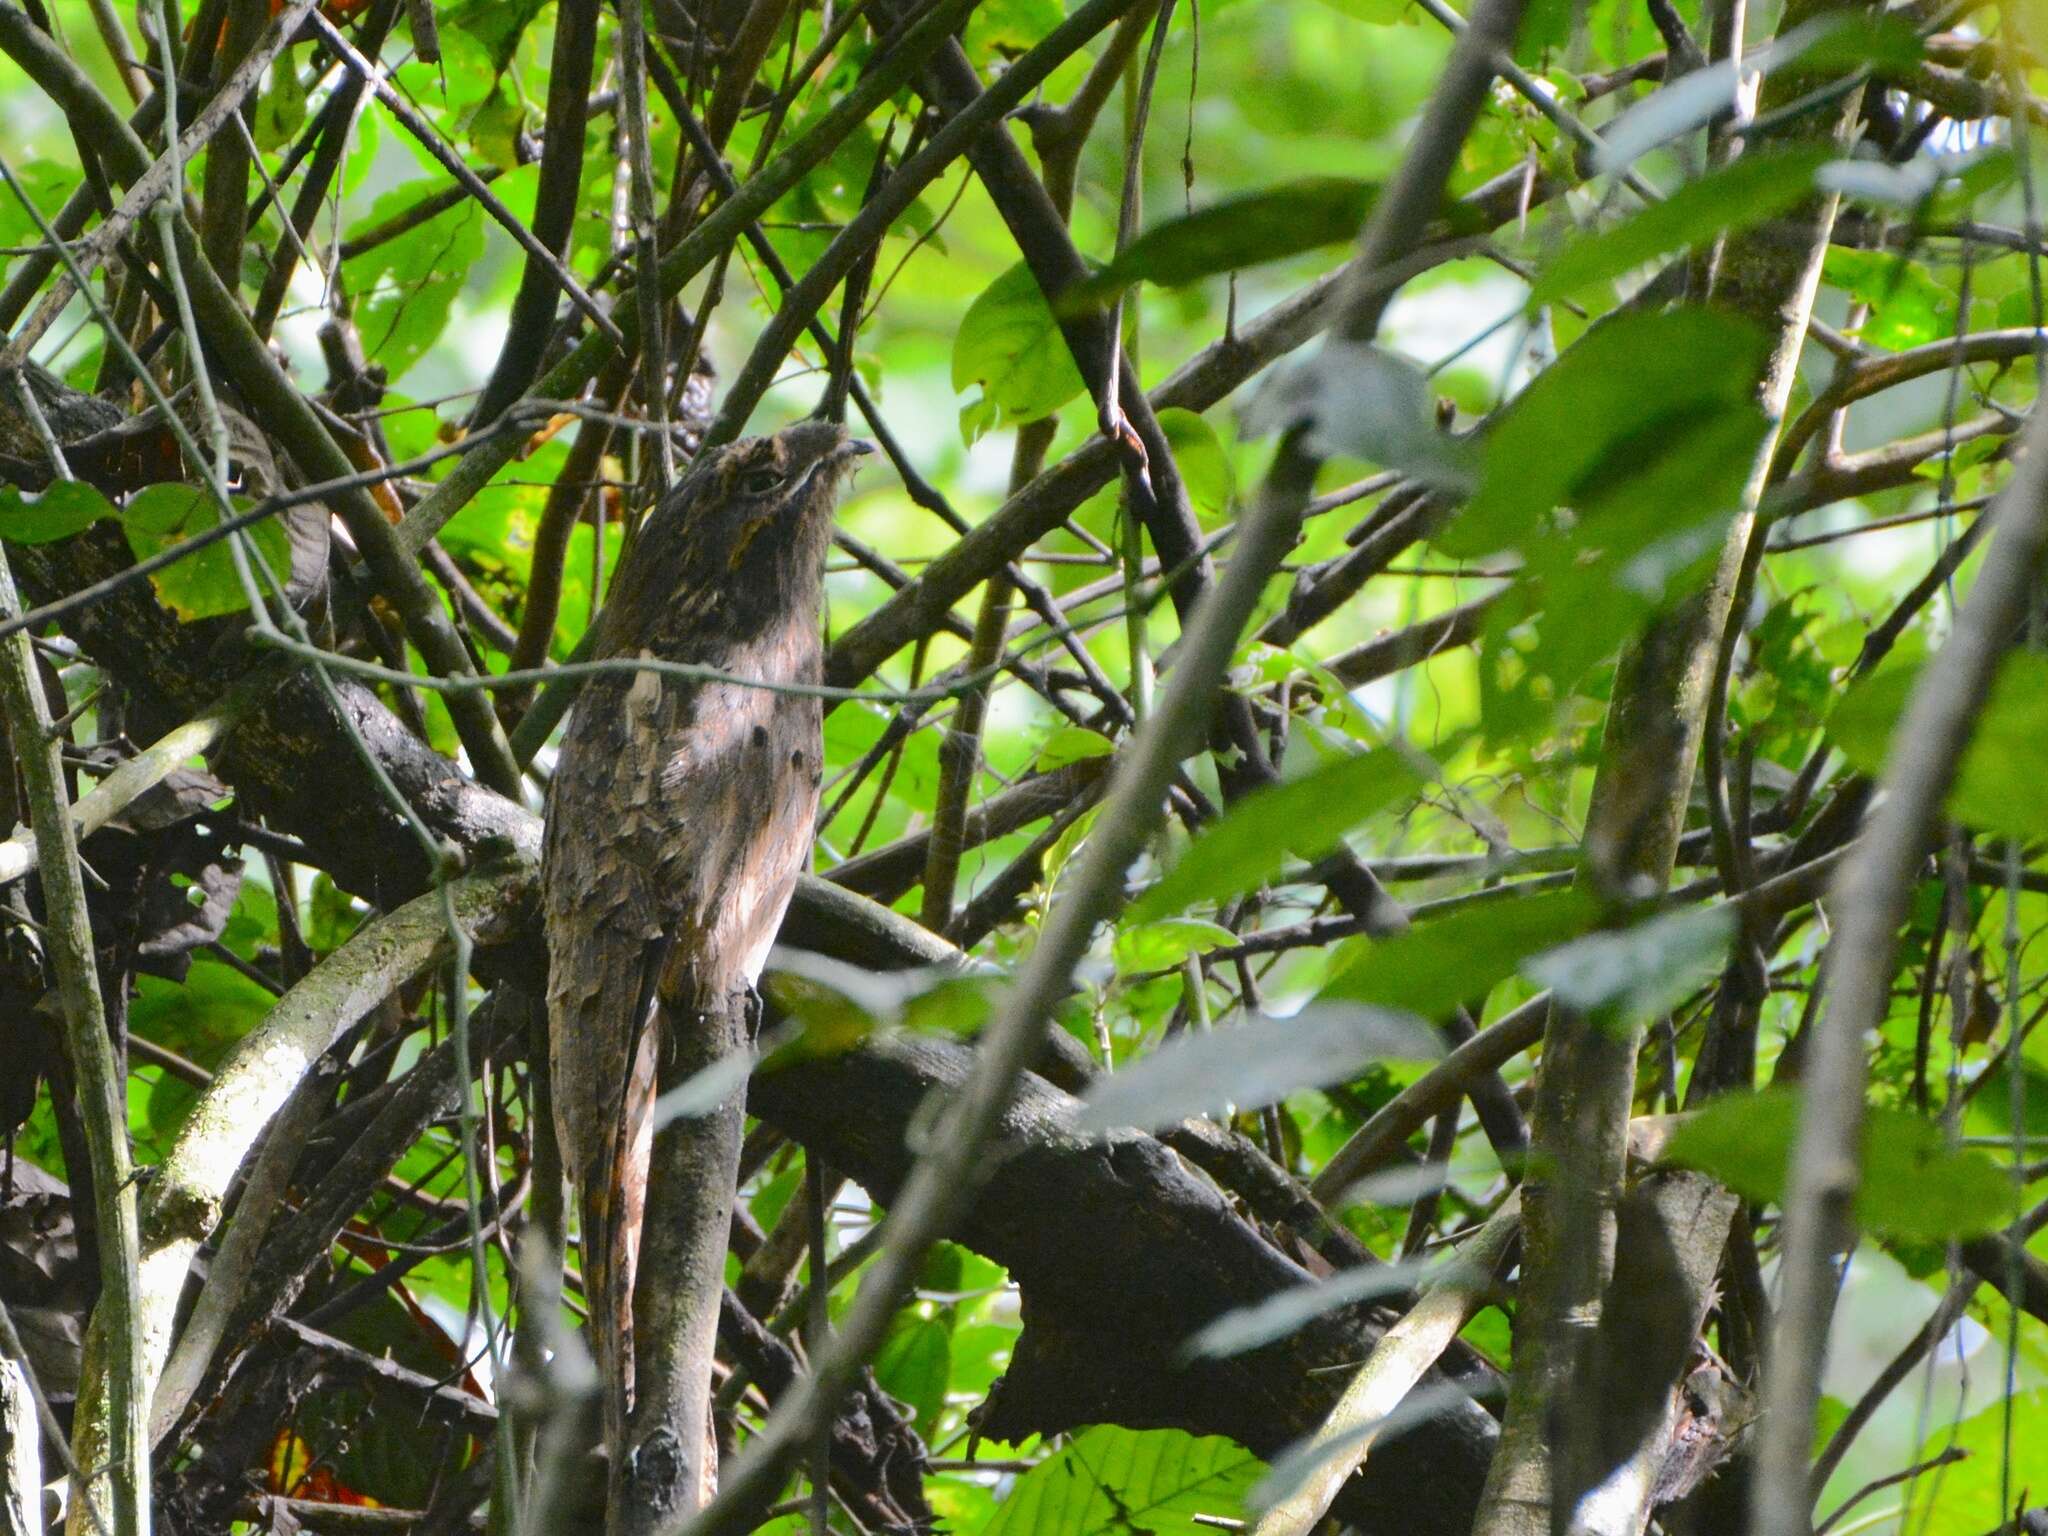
679,817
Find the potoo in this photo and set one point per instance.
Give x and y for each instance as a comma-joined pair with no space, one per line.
679,817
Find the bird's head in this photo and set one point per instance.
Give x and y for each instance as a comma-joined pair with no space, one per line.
750,522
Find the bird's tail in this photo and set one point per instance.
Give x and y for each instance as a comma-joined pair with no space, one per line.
613,1209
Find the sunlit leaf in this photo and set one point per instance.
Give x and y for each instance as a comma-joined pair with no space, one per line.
1914,1185
914,1362
1631,393
63,508
1252,1065
1010,344
1459,957
2004,1458
1998,781
496,24
1303,818
203,584
1649,527
1199,455
1165,942
281,109
1740,195
1071,743
404,288
1627,976
1111,1481
1232,234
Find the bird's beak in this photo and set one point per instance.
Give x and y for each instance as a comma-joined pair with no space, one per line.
852,448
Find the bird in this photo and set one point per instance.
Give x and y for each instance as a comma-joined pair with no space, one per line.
680,813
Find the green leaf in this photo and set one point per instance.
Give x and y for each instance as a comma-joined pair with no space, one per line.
1071,743
1161,945
914,1363
1627,976
1251,842
1914,1186
281,109
497,24
494,128
65,507
1998,782
1110,1481
1199,454
1737,196
1648,531
203,584
1252,1065
1972,1491
202,1016
1631,393
405,287
1909,305
1006,28
46,183
1009,344
1461,956
1230,235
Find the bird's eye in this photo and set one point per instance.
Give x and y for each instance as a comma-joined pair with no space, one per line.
761,482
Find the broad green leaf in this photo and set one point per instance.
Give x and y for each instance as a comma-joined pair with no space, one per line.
494,127
405,287
1305,818
1628,976
1631,393
61,509
281,109
202,1016
1252,1065
46,183
1967,1500
1005,28
1164,943
1204,465
1909,305
1232,234
496,24
203,584
1648,531
1111,1481
1758,186
914,1362
1914,1186
1459,957
1009,344
1071,743
1998,782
